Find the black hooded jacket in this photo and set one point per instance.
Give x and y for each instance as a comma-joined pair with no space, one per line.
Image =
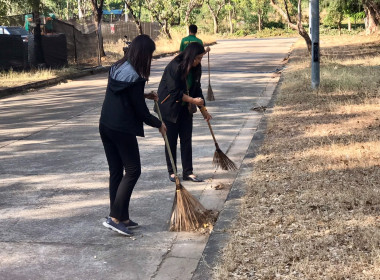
124,108
172,88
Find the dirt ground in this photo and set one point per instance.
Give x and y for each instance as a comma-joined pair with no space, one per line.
312,207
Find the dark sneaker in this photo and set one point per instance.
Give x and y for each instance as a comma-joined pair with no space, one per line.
120,227
171,177
131,224
192,178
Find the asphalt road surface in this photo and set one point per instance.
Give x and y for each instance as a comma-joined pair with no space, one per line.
54,174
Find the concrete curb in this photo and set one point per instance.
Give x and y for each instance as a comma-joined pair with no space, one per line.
219,238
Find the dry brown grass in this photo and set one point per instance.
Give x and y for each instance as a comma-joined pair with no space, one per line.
312,207
17,78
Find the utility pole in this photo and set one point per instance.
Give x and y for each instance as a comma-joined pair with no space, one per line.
315,53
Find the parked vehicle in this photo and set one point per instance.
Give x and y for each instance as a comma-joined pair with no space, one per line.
15,30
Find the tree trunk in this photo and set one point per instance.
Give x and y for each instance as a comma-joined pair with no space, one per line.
340,23
134,17
301,30
166,30
190,7
259,15
230,21
372,12
80,13
349,24
214,16
67,10
216,29
98,12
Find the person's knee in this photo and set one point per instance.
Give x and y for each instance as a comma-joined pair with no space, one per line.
133,172
116,173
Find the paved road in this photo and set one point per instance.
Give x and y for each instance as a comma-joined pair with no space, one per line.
53,173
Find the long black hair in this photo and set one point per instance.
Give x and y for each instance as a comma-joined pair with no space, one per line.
187,57
140,55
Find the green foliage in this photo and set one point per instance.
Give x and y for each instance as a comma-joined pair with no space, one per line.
327,30
266,32
275,32
358,16
4,7
242,33
171,13
337,10
165,10
275,24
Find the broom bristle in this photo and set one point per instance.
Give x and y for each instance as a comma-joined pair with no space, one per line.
210,94
222,161
188,213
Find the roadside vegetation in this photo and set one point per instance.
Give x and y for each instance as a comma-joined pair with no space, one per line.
215,19
311,209
113,51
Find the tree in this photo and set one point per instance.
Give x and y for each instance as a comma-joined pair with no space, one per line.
191,5
372,11
166,13
230,9
80,10
97,7
335,13
133,7
215,7
286,15
261,9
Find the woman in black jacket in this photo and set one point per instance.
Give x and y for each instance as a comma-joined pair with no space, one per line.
123,113
179,93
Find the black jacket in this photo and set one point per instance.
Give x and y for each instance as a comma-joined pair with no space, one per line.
174,86
124,108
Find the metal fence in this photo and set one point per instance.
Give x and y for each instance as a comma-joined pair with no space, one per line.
81,38
112,32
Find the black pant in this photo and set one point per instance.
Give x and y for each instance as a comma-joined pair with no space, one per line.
122,152
184,129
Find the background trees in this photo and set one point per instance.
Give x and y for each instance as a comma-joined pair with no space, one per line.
240,17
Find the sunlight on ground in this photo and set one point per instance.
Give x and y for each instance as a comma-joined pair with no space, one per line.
312,205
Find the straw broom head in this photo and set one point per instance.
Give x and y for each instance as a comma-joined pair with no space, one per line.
188,214
222,161
210,93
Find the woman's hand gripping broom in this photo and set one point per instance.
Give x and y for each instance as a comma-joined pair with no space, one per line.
220,159
188,213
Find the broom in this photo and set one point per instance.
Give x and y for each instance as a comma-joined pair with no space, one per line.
210,93
220,158
187,212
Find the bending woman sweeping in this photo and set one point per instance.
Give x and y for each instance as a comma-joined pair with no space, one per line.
123,113
179,93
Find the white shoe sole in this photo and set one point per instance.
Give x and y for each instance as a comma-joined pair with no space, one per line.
115,229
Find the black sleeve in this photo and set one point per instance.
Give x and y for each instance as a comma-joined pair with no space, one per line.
197,89
141,110
174,83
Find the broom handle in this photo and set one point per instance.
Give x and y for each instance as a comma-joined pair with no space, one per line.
203,108
166,140
208,59
212,133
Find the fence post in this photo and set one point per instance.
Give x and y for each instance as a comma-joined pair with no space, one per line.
75,47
